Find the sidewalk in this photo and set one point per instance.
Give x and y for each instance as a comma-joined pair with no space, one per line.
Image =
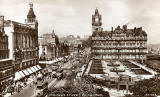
27,91
144,67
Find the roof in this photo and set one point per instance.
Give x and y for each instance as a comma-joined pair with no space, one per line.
118,30
8,23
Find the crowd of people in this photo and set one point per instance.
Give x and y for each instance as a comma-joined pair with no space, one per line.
18,86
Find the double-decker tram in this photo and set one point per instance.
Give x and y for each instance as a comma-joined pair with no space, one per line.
41,87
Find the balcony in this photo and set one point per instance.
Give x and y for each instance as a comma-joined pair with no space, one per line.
116,47
120,39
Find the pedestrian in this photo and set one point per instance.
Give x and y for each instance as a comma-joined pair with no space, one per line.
12,89
30,84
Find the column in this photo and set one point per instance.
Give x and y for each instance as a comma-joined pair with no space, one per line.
25,41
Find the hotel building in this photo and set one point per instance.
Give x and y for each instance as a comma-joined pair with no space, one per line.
119,43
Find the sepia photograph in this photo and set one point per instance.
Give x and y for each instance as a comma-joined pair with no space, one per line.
79,48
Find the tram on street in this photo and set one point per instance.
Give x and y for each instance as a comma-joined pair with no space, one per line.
59,74
41,87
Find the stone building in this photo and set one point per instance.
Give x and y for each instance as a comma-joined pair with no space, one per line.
119,43
72,42
6,66
23,43
48,46
4,53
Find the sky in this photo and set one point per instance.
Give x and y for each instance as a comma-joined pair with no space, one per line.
74,16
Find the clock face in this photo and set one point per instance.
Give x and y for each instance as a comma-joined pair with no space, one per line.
96,19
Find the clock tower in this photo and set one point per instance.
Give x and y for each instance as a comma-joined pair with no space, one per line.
96,21
31,18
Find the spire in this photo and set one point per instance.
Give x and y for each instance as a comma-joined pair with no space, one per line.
31,12
53,31
96,11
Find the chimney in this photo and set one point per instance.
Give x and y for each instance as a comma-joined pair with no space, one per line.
112,29
140,29
118,28
124,27
135,29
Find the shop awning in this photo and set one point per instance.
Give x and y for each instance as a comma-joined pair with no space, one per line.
39,67
29,70
34,70
17,76
21,73
25,72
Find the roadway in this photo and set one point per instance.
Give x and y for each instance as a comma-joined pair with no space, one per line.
28,91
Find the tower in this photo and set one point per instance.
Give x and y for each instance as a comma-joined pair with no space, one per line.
31,18
96,21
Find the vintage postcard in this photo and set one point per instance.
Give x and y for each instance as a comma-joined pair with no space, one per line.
79,48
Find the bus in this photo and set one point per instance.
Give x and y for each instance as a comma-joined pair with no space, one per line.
41,87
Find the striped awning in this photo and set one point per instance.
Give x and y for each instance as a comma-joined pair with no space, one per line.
39,67
29,70
22,74
26,72
17,76
34,70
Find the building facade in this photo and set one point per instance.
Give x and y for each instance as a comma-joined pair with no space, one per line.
48,46
73,43
23,42
117,44
6,66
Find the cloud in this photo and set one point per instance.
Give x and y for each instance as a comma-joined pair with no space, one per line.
74,16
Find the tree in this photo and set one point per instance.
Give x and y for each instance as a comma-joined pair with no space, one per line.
147,86
80,88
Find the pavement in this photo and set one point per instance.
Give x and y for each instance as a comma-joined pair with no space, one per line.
26,92
144,67
29,91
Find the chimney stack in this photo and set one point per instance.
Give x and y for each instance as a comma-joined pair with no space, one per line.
112,29
125,27
118,27
135,29
140,29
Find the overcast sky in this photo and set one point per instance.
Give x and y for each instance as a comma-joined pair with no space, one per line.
74,16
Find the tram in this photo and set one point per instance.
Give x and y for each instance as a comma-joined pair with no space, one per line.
41,87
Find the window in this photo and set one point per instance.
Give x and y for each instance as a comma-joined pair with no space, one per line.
39,87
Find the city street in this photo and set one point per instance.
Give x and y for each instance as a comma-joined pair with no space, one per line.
28,91
67,67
